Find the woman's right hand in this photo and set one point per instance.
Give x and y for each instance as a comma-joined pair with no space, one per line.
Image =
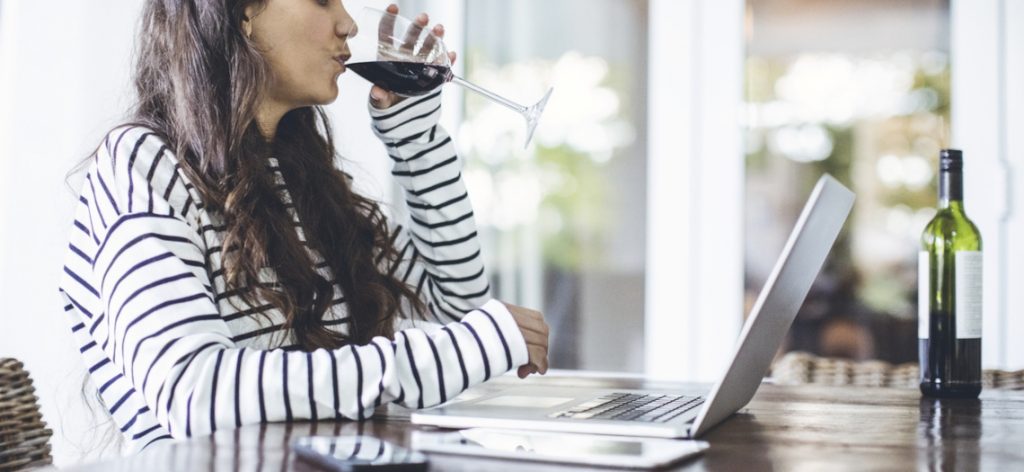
535,332
381,98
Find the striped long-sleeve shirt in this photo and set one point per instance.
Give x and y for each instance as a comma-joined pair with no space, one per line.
174,353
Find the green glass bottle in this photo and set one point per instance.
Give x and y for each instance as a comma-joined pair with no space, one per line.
949,292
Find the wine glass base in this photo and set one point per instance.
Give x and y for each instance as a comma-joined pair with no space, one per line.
532,116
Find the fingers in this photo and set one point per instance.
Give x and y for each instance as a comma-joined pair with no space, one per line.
535,338
531,320
537,349
386,28
380,97
386,31
431,41
537,352
535,333
538,357
412,35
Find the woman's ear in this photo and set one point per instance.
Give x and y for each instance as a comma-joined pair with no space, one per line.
249,17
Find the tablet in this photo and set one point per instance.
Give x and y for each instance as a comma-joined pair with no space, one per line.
357,454
569,448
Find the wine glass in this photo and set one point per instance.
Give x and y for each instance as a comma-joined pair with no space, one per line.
410,61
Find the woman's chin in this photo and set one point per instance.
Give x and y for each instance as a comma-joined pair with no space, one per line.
327,96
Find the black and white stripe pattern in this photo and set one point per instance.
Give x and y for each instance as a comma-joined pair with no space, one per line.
174,354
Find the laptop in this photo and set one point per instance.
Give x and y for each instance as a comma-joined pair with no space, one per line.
672,414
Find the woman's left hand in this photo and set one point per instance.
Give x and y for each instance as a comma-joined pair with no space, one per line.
381,98
535,333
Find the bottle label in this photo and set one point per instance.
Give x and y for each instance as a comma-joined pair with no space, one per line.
923,289
967,265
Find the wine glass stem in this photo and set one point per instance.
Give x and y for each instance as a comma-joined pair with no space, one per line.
497,98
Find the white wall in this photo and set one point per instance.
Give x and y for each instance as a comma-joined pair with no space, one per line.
695,169
65,81
1013,315
64,73
987,45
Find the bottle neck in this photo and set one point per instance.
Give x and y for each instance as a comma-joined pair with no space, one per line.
951,189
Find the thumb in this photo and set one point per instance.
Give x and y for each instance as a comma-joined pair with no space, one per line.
379,97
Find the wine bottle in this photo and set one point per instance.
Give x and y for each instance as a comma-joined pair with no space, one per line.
949,292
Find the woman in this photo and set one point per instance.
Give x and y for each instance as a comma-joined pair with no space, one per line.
221,271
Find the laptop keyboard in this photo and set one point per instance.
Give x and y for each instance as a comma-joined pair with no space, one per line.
632,407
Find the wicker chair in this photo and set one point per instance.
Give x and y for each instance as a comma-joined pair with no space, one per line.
796,368
24,437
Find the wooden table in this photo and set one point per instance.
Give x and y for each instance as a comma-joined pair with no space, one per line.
784,428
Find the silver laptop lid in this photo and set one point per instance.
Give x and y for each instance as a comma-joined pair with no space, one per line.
776,307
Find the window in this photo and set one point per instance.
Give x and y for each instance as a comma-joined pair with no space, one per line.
860,90
563,221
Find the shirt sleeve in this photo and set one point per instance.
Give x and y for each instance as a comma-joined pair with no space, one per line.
163,330
438,243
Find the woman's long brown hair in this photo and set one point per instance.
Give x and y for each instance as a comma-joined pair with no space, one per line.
199,80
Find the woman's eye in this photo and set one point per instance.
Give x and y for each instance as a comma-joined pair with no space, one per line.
323,3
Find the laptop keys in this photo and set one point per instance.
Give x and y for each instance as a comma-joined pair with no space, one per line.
664,416
631,407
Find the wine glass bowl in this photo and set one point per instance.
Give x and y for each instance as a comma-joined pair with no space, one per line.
410,61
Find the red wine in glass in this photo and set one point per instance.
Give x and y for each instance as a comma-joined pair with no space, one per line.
404,60
404,78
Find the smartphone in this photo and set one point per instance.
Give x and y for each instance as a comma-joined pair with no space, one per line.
357,454
589,449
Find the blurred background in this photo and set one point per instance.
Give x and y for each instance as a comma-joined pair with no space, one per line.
677,150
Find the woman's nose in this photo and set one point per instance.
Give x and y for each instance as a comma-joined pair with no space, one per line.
346,25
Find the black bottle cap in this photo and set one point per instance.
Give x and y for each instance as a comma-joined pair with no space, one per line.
951,159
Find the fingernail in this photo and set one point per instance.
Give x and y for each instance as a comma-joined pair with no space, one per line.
421,18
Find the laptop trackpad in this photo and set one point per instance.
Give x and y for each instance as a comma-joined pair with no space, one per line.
524,401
